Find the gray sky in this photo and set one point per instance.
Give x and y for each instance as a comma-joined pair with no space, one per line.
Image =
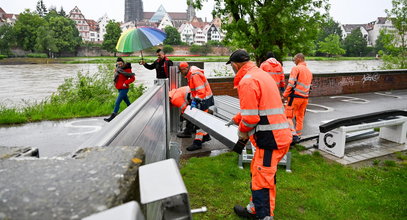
343,11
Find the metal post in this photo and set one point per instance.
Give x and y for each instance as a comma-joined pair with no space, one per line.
167,118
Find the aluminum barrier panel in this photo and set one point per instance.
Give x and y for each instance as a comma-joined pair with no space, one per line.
144,123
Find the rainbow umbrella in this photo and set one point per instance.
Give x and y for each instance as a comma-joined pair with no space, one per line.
140,38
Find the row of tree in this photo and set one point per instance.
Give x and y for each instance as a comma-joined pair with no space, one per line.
290,27
41,31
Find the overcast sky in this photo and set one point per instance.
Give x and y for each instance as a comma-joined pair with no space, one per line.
343,11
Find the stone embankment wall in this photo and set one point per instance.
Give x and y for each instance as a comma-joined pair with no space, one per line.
335,83
178,51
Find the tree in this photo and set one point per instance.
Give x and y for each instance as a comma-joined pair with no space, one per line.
173,37
25,29
111,37
45,41
280,26
355,44
62,12
328,27
395,41
331,45
65,33
41,9
6,38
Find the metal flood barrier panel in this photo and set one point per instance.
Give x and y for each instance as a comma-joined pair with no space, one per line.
144,123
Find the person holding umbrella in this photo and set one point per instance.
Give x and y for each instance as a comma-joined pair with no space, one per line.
161,65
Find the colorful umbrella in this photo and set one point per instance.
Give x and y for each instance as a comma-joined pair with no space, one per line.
136,39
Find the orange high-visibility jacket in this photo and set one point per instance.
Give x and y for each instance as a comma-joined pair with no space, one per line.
261,110
274,68
179,97
299,83
198,84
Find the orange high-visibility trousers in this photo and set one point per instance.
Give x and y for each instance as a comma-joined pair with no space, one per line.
263,185
299,105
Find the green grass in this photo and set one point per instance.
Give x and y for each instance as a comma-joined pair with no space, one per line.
85,95
316,189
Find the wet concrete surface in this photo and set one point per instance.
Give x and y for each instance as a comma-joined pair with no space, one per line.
54,138
334,107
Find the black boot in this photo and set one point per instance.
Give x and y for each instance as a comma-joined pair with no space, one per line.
242,212
196,145
184,134
206,138
113,115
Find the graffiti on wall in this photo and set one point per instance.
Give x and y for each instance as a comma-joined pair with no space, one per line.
372,77
347,81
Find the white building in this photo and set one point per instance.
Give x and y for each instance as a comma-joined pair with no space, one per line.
348,28
212,33
103,21
187,33
374,28
81,24
199,36
165,21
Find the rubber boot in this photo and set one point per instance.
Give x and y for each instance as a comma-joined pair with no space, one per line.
196,145
242,212
206,138
113,115
187,132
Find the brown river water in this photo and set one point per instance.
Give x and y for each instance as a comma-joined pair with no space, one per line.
30,83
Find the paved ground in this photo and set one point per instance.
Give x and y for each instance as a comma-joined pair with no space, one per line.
69,134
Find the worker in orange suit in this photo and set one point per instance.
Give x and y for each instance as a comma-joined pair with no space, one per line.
262,120
181,98
297,93
202,98
275,69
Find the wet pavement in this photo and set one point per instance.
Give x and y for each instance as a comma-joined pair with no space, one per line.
54,138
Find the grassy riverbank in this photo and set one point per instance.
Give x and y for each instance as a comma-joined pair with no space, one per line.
85,95
316,189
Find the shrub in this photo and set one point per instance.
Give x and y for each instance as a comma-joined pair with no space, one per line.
2,56
37,55
168,49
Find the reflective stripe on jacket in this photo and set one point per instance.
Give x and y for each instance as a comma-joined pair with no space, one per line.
198,84
274,68
299,83
262,114
179,97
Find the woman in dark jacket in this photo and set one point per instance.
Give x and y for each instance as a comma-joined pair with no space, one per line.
123,77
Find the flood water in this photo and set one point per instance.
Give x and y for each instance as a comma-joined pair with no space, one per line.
22,84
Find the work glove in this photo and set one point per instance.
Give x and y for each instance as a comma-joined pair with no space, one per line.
193,104
231,122
242,135
240,144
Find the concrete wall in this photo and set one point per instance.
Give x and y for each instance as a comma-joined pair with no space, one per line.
335,83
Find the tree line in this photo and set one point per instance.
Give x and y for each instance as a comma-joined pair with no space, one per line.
259,26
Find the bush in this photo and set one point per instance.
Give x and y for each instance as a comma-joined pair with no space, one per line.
201,50
2,56
168,49
37,55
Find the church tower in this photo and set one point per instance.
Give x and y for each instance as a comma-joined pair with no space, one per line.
133,10
190,11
